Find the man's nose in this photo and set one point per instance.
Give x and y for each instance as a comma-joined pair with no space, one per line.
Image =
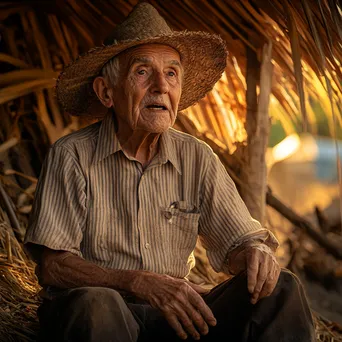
160,84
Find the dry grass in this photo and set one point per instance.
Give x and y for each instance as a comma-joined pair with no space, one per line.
18,288
327,331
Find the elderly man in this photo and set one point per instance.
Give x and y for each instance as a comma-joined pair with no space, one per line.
120,204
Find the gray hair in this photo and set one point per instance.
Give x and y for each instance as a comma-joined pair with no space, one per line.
111,70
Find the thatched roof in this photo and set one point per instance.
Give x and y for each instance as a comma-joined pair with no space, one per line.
307,51
39,37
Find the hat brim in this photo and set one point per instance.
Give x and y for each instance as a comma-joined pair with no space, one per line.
203,57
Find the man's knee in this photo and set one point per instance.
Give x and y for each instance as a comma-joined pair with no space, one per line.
96,299
102,311
289,295
288,283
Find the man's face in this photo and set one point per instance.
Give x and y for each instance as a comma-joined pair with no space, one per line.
149,87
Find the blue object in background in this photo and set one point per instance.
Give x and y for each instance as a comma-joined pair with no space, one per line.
326,160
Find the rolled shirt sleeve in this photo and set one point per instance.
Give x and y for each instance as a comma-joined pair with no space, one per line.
59,212
225,222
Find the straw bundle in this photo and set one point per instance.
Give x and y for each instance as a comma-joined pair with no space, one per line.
18,289
327,331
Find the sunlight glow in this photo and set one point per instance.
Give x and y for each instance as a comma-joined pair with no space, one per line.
286,148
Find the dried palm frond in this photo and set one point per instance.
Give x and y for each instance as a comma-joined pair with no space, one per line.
296,56
14,61
24,88
291,25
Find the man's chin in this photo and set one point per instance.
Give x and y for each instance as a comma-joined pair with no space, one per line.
156,128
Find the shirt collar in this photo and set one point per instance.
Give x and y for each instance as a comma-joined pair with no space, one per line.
167,151
108,143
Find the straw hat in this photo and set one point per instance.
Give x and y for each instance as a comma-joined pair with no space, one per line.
203,57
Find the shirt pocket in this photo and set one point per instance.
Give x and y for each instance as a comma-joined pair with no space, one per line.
181,230
185,221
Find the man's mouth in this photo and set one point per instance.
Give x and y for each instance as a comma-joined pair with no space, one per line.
156,107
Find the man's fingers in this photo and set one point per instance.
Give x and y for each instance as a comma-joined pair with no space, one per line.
252,269
189,317
187,323
199,289
199,313
176,325
185,310
263,273
199,304
198,320
271,281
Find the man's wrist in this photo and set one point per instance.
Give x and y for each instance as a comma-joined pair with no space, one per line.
236,261
125,280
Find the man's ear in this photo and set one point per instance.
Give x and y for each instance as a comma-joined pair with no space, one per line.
102,91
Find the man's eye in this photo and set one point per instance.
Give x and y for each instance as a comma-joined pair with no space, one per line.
142,72
171,73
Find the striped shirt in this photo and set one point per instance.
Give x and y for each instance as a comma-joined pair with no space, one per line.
95,201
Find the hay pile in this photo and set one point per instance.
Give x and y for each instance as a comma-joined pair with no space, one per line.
18,289
327,331
19,293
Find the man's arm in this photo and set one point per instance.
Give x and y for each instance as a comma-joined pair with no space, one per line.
234,241
177,299
65,270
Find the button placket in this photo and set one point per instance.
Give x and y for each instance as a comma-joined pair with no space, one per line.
144,245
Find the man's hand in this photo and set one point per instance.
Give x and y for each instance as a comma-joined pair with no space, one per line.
179,301
262,272
262,268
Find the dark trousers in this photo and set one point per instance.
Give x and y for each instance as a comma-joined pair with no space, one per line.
91,314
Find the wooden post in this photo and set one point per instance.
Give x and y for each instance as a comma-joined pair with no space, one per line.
257,127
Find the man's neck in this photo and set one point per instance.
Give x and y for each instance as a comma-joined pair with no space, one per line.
138,144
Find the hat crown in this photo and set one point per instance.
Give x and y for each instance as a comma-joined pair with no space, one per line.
143,22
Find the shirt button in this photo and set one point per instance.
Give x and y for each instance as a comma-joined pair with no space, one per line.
147,245
168,215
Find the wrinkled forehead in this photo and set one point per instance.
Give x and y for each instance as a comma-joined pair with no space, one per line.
150,52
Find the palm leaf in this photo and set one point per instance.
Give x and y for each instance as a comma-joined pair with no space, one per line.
296,56
19,76
14,61
24,88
